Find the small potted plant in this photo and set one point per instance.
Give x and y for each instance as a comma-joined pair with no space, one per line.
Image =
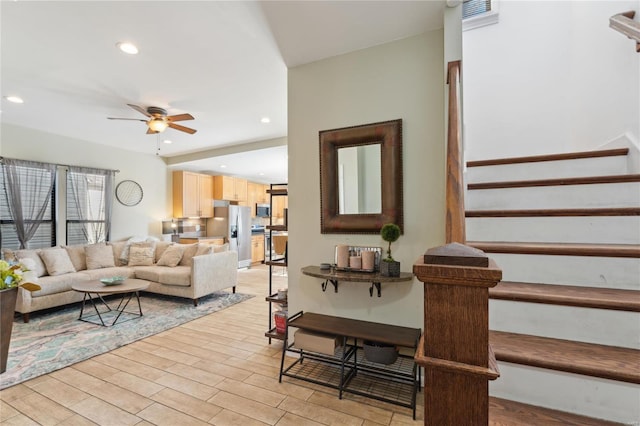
389,267
12,276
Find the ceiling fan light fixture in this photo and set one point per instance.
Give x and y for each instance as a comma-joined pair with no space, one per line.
158,125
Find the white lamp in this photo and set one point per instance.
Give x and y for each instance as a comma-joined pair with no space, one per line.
158,125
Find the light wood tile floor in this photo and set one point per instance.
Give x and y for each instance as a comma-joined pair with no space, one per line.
217,370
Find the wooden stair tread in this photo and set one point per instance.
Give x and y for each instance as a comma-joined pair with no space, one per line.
503,412
587,180
550,157
607,362
586,297
608,211
559,249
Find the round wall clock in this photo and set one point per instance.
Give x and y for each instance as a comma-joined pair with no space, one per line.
129,193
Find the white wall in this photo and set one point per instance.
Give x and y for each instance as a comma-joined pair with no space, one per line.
549,77
403,79
149,171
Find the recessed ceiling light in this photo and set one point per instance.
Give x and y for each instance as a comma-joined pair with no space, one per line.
14,99
223,166
167,141
265,120
127,47
261,174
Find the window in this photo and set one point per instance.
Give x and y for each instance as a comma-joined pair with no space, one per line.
33,185
479,13
475,7
89,201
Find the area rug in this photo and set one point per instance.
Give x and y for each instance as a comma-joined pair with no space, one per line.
57,339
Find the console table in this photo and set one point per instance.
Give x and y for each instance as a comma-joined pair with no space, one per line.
348,370
333,277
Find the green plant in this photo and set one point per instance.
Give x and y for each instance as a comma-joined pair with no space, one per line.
16,275
390,232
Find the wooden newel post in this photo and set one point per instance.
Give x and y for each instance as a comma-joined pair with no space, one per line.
454,349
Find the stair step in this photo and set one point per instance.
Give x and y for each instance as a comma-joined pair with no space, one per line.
609,211
559,249
588,180
587,297
550,157
607,362
504,412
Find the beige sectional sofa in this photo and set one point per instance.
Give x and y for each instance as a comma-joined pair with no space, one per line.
184,270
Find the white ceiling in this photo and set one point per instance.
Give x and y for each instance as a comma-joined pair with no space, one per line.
224,62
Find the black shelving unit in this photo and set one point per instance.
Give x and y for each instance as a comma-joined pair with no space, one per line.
275,190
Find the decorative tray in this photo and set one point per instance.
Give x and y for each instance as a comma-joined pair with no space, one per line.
112,280
358,251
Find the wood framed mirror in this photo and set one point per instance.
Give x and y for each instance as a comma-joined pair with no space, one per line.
361,178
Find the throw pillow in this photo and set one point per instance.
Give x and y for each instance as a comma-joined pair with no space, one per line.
57,261
171,256
77,256
39,269
140,256
219,248
189,252
203,249
161,246
118,248
99,256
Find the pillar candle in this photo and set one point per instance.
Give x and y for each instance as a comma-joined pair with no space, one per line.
368,260
355,262
342,256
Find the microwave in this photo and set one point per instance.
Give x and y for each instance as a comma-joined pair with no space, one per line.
263,210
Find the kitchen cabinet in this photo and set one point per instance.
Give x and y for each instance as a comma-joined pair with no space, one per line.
256,194
257,248
192,194
279,204
229,188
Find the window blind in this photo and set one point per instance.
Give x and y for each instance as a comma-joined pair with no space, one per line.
472,8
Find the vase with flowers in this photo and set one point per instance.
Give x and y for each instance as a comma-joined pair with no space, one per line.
12,276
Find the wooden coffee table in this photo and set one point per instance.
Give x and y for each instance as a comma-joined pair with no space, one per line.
127,289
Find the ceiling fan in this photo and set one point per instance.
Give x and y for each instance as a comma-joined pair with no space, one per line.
159,120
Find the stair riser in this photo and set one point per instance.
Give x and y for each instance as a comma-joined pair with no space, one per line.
566,322
600,230
555,197
588,396
603,166
602,272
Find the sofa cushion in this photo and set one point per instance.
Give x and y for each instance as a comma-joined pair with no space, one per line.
77,256
161,246
40,269
138,242
219,248
57,261
187,255
141,256
118,248
171,256
58,283
178,276
99,256
115,271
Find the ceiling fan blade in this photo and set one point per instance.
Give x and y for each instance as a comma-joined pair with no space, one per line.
180,117
118,118
150,132
182,128
140,110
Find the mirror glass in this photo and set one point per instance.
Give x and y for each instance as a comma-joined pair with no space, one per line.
360,179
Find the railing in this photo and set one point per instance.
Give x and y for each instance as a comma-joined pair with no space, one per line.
624,23
455,229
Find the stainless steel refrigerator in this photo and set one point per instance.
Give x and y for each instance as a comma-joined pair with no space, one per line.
234,224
